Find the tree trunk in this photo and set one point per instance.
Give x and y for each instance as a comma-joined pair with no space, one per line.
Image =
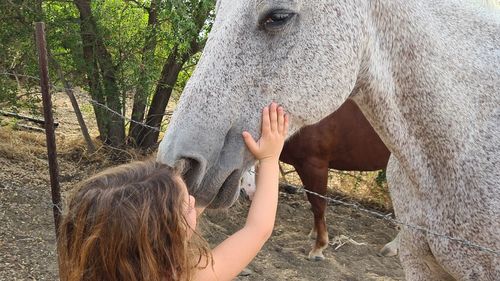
105,92
170,72
69,91
116,126
142,90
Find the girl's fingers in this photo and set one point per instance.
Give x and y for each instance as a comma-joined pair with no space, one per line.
281,120
273,116
250,142
287,122
266,126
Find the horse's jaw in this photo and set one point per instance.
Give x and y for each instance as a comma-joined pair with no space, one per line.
228,192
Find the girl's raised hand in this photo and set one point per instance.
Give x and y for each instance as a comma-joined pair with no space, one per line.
274,130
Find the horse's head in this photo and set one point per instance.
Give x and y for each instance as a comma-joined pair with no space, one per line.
305,55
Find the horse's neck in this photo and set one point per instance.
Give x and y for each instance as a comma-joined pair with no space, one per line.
429,78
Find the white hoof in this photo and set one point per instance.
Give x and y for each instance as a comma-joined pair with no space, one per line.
316,255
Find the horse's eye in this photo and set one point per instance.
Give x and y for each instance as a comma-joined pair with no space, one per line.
276,19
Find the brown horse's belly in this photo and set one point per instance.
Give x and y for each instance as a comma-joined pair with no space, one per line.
361,162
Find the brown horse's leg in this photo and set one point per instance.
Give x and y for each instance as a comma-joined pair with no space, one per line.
314,178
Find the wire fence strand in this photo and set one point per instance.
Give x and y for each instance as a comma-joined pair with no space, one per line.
387,217
92,101
390,217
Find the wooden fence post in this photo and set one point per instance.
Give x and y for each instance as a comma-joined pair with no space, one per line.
49,123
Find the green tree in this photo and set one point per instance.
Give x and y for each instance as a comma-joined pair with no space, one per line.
122,52
101,75
18,60
190,23
145,79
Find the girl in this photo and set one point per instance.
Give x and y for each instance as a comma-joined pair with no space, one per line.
137,221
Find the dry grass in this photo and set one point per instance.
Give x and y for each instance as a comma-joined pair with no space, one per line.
362,187
21,144
74,151
31,146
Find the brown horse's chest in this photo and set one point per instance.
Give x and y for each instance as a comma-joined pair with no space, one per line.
344,140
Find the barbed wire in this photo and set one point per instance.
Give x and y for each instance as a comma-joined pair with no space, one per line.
58,207
387,217
92,101
122,116
19,75
57,89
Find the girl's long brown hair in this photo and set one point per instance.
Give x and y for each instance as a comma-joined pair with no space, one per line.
127,224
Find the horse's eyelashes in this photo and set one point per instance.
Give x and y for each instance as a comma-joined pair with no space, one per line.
279,16
276,19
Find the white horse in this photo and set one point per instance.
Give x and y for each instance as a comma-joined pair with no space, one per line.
425,73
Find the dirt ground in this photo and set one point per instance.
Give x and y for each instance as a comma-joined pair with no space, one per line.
27,239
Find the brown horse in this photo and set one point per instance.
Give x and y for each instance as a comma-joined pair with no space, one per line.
345,141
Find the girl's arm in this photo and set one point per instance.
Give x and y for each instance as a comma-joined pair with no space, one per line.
237,251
